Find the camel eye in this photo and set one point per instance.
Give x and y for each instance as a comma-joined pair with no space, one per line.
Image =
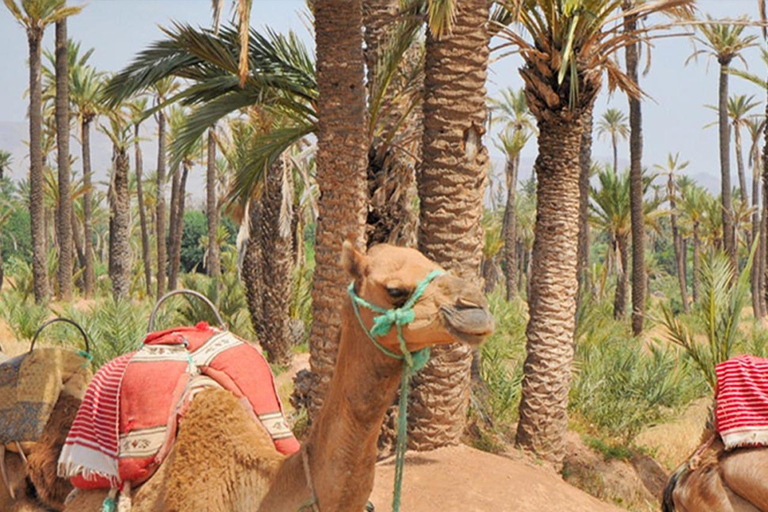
398,293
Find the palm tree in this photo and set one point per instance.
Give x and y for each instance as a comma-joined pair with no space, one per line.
568,47
137,108
162,90
673,167
211,206
613,124
725,42
611,212
756,129
739,111
243,23
85,94
519,127
118,131
5,163
694,208
35,16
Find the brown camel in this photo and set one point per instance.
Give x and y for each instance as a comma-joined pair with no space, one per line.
224,461
716,480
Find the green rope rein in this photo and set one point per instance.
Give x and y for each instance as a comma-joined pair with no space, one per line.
412,363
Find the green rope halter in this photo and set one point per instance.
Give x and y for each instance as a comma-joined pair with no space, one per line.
412,362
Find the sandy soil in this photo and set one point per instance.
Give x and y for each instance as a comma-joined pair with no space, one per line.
463,479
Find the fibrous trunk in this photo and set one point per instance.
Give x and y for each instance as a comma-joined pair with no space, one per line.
120,225
510,230
145,256
36,179
179,192
342,158
276,247
696,260
212,210
451,185
622,277
677,242
636,183
64,206
90,273
552,299
729,240
160,207
585,167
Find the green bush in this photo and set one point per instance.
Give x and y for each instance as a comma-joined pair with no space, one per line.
192,251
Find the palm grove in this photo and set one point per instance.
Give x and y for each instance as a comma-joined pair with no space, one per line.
380,136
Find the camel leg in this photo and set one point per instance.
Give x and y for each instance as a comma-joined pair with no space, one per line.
703,490
746,473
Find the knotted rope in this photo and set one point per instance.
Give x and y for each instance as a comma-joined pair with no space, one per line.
412,362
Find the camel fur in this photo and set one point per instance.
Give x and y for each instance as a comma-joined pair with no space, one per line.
225,462
716,480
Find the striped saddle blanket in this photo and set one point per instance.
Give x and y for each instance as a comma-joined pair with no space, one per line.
127,422
742,401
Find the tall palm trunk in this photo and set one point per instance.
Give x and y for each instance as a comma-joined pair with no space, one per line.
585,167
79,249
729,240
342,158
212,210
178,194
276,244
251,267
64,207
160,206
677,244
740,164
451,185
120,226
622,277
510,229
36,179
552,299
696,260
757,303
89,280
615,143
145,256
636,182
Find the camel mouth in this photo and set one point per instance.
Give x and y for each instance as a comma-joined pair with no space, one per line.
470,325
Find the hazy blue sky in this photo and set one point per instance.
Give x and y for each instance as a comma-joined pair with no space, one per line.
118,29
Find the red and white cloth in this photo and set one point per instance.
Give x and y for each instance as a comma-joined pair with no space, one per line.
742,401
127,422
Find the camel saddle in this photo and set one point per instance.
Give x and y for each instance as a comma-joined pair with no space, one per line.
127,422
30,385
742,401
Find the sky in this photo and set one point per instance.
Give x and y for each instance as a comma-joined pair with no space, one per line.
674,116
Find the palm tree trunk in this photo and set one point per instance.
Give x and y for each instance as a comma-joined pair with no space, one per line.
276,262
342,159
636,182
79,250
729,241
552,299
510,231
622,277
696,260
177,224
251,267
451,186
172,220
89,279
615,154
585,167
36,179
120,234
740,165
677,243
64,207
212,210
160,207
145,254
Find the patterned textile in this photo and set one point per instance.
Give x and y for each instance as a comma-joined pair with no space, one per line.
127,423
30,385
742,401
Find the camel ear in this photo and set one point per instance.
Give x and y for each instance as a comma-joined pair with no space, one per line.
354,262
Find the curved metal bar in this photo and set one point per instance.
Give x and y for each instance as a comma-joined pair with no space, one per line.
150,327
67,321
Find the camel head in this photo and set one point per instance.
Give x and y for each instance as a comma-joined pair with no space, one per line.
449,310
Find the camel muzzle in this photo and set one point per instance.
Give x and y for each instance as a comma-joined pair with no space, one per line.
469,324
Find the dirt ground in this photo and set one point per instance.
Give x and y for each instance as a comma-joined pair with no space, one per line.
463,479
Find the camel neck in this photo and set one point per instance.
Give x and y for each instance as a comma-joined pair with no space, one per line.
342,445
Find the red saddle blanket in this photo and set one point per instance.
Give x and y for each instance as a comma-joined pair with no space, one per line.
742,401
127,421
